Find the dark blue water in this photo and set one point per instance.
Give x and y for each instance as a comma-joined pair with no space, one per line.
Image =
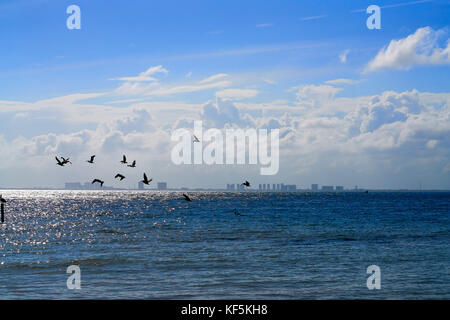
150,245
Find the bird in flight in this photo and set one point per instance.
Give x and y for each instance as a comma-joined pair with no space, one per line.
124,160
92,159
66,161
59,162
146,181
246,183
99,181
119,176
133,165
186,197
2,200
237,213
196,139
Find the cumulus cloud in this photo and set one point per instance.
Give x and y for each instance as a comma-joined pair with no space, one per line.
316,95
321,134
221,113
419,48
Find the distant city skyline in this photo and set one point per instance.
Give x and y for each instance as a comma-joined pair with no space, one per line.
161,186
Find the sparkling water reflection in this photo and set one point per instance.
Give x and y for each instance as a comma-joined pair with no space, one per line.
284,246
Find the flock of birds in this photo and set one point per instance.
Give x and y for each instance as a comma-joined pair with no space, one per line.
63,161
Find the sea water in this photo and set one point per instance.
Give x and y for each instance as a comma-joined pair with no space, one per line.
292,245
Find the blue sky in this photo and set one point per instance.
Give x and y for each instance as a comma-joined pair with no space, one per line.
269,50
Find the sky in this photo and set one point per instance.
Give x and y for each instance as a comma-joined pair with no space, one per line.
353,105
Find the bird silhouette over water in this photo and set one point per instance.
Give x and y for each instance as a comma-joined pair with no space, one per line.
133,165
119,176
146,181
59,162
99,181
124,160
92,159
186,197
237,213
2,200
246,183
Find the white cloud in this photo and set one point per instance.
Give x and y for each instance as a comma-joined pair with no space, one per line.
342,81
315,95
313,18
222,113
132,87
169,90
264,25
322,136
432,144
144,76
269,81
420,48
236,94
343,56
215,77
402,4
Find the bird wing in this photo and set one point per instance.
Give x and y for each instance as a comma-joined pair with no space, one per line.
145,177
59,161
134,163
92,158
124,158
95,180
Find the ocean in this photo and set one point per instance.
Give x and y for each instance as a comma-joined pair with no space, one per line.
293,245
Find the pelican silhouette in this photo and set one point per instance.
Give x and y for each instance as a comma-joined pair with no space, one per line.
119,176
237,213
99,181
196,139
59,162
186,197
133,165
92,159
146,181
246,183
124,160
66,161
